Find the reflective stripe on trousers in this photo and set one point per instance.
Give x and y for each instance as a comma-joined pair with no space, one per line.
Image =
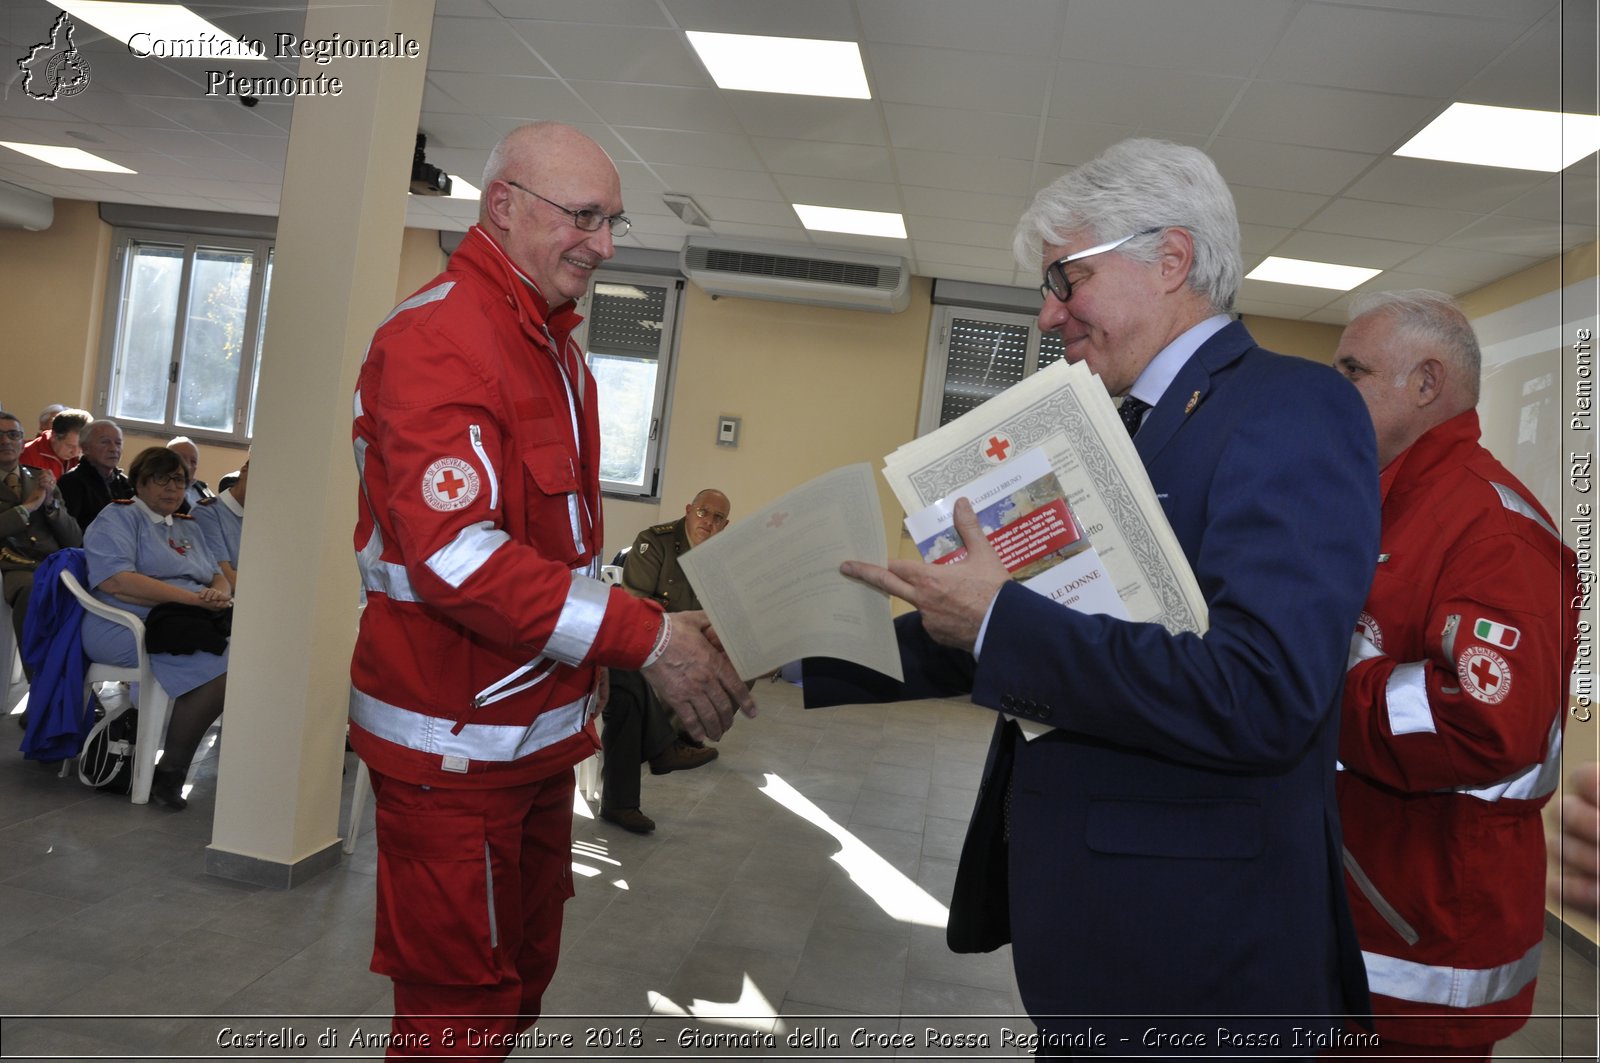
499,743
1451,987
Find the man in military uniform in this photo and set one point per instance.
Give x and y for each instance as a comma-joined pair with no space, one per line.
634,726
33,522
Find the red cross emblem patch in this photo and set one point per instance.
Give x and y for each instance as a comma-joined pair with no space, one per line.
449,483
1485,674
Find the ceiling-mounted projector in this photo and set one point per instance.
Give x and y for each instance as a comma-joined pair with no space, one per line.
427,180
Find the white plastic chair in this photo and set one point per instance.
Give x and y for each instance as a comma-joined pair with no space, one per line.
155,704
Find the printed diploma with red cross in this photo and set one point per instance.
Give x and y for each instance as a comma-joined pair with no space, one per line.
1024,514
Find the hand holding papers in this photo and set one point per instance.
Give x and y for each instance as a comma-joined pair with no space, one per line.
1064,410
771,582
1023,512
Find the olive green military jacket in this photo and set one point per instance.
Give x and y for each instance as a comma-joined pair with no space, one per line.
651,569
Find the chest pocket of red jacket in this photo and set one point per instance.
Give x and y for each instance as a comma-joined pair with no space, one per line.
553,514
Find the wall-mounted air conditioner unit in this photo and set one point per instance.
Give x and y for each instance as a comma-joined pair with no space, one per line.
23,208
796,273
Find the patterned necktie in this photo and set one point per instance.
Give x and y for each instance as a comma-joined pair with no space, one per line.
1132,412
14,483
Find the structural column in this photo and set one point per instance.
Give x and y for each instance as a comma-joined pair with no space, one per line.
341,220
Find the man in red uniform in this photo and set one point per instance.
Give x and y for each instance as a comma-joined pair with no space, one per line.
57,451
1454,700
481,660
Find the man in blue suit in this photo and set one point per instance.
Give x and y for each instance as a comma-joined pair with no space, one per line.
1172,849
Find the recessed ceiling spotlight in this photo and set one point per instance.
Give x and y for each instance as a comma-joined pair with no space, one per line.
687,210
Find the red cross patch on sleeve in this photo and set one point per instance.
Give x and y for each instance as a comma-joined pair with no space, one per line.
1485,674
449,483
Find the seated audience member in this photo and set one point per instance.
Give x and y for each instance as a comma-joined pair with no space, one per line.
34,522
57,451
185,448
220,519
1453,702
141,554
97,481
635,726
47,417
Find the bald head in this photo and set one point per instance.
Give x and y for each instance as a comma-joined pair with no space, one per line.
538,178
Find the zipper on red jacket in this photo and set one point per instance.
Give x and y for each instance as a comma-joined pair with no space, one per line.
476,432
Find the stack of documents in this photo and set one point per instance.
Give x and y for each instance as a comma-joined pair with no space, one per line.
770,582
1064,411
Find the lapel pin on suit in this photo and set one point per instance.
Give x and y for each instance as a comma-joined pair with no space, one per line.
1194,400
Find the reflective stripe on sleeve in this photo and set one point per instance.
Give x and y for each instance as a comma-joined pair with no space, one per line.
1451,987
579,623
1361,649
481,741
383,577
1529,784
432,295
1517,504
458,559
1406,697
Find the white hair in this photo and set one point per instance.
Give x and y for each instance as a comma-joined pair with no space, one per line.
1136,185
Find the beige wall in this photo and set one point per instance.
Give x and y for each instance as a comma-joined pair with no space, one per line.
815,388
52,295
52,299
1306,339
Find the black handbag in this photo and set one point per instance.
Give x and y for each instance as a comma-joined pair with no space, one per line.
980,902
173,627
106,760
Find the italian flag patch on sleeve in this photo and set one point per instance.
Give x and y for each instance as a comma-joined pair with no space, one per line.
1495,634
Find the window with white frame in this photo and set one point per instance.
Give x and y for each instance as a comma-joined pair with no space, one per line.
975,354
183,333
630,322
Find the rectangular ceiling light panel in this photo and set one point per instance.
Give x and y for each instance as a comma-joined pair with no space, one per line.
166,31
844,220
795,65
1510,137
1311,274
66,158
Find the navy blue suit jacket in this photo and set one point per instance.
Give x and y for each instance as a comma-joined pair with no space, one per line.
1175,845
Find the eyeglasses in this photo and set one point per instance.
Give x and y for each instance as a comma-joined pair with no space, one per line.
13,435
703,512
587,220
167,481
1056,282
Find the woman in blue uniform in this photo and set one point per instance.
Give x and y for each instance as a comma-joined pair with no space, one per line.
141,554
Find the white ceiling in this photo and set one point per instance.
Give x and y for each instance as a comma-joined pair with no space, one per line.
975,104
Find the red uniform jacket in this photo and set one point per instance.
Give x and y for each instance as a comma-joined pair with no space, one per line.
478,448
1450,740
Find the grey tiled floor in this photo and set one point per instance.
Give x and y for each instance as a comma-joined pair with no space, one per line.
791,887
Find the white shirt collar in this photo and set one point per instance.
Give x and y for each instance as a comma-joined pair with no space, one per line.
154,517
1164,367
226,499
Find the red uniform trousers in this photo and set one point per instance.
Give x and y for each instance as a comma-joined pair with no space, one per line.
471,885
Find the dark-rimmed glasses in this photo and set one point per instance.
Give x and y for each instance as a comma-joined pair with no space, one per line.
1056,281
176,478
587,220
